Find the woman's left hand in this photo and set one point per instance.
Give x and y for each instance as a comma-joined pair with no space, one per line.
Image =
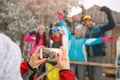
35,59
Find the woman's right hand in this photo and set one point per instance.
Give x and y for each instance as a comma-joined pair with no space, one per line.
63,60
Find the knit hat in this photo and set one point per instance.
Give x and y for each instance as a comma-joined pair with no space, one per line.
74,11
10,59
56,29
78,27
87,17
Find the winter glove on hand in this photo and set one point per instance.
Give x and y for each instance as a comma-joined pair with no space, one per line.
32,33
105,9
59,15
110,40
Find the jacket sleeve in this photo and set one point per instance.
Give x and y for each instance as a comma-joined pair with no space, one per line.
93,41
110,25
67,75
65,28
26,72
24,68
29,38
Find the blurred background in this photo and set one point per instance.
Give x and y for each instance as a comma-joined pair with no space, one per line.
19,17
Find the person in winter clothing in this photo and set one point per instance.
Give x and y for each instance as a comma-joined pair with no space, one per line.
10,64
97,52
10,59
62,61
38,39
51,30
57,42
71,18
77,45
57,38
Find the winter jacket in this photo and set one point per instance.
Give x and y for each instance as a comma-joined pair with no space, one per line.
26,72
64,74
98,50
32,39
77,51
57,42
67,75
50,33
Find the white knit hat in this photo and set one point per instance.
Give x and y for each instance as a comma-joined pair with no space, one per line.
78,27
10,59
74,11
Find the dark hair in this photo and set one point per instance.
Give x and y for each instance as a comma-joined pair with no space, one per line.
51,25
44,38
57,24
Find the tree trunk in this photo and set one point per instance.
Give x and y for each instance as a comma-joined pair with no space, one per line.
22,42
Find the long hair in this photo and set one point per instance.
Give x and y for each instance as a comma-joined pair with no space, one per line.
43,36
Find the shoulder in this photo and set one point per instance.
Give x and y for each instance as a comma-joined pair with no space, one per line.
96,30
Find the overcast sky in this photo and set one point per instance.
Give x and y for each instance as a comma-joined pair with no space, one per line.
112,4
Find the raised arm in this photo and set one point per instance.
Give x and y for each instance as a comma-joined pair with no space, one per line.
63,23
93,41
29,38
111,24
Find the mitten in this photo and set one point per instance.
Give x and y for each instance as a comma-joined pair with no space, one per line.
105,9
110,40
59,15
32,33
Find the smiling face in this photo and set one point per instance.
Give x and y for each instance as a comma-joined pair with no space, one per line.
78,33
75,18
41,29
57,34
88,23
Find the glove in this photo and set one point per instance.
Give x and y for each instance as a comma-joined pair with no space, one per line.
105,9
59,15
110,40
32,33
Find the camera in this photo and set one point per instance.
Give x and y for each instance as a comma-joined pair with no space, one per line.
49,53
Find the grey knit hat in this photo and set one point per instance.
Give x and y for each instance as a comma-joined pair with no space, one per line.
10,59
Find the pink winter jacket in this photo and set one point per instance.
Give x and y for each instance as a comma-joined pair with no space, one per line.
32,39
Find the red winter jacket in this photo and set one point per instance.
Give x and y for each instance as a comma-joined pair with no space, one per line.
67,75
24,68
27,72
64,74
57,40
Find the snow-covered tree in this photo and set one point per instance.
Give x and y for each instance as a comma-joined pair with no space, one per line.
19,17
